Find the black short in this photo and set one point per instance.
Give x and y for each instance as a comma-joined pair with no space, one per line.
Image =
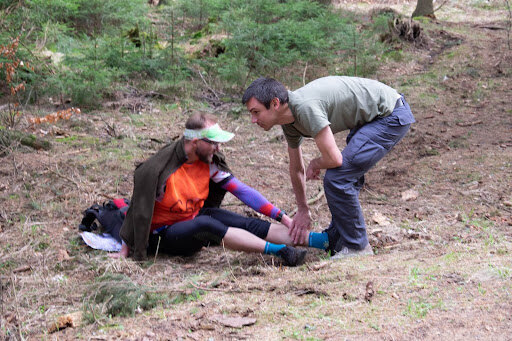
208,228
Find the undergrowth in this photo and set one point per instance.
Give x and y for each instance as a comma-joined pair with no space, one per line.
83,52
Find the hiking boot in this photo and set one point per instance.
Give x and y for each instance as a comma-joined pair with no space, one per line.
346,252
292,256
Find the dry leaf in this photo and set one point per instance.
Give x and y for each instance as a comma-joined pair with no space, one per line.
65,321
410,194
63,255
380,219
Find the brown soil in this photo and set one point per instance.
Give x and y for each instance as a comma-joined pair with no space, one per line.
442,267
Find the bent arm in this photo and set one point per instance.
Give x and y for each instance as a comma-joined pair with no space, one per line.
252,198
330,155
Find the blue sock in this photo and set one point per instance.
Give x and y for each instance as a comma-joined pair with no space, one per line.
318,240
272,249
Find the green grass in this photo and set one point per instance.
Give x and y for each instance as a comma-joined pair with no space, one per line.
419,307
460,142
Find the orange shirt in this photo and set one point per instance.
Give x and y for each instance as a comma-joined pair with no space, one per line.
186,190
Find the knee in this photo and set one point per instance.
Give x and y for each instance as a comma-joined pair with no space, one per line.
336,182
206,224
345,191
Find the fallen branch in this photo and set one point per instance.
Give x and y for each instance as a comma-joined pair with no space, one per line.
310,201
208,86
493,28
65,177
441,5
22,269
468,124
212,289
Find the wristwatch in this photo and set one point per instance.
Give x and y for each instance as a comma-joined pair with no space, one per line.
280,215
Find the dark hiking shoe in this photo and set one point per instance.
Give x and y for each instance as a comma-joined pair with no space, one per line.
346,252
292,256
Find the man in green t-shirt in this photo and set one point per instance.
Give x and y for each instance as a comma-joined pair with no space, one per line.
377,117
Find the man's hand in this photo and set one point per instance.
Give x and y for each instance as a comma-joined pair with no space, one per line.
125,251
300,225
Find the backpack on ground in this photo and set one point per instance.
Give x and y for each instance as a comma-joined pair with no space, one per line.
110,217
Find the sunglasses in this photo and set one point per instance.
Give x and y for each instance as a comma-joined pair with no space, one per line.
210,142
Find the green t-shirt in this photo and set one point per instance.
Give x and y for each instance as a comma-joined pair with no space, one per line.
338,101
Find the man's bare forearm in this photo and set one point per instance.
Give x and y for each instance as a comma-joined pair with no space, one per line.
298,178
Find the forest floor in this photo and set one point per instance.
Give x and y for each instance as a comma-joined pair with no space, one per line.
438,210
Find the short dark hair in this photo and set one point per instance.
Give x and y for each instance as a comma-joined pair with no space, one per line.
265,90
199,121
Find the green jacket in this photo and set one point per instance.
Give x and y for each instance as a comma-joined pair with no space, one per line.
149,181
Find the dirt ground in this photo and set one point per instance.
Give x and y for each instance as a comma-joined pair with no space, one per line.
438,210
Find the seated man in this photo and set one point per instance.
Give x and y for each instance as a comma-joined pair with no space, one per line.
176,198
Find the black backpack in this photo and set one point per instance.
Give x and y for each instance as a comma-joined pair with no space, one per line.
110,217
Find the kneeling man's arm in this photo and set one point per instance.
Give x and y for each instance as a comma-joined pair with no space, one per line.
302,220
330,154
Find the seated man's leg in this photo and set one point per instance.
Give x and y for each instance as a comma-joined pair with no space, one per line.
242,240
255,226
188,237
272,232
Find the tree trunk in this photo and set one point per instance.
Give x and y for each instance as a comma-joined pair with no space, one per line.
424,8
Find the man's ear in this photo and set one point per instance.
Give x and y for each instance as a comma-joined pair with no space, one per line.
275,102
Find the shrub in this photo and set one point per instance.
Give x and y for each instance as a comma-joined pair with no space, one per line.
116,295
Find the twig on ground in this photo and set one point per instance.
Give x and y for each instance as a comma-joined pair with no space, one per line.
229,264
310,201
106,196
208,86
372,193
304,74
468,124
395,245
212,289
13,281
509,27
13,255
441,5
157,247
493,28
15,167
65,177
22,268
78,151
